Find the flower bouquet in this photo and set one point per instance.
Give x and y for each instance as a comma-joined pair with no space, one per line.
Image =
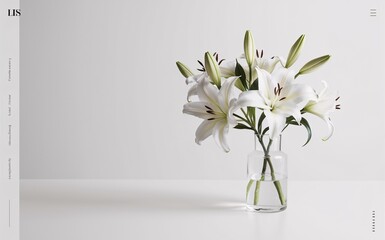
263,95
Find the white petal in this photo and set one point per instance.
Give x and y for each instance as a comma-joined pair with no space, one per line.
324,89
251,98
196,78
201,77
330,127
266,85
220,132
267,64
207,92
321,108
190,80
324,104
282,60
287,109
192,92
204,130
230,117
297,93
276,123
283,76
227,69
226,92
197,109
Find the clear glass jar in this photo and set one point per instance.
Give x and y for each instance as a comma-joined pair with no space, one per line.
267,176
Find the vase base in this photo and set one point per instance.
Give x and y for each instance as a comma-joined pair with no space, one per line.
265,209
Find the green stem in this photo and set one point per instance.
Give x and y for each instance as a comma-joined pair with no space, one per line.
248,187
256,192
282,199
258,185
266,161
277,183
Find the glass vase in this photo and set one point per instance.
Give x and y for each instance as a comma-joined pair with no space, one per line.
267,176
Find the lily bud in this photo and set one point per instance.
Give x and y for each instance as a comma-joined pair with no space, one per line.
212,69
184,70
313,65
295,51
249,48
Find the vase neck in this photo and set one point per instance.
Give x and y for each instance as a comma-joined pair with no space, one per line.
275,144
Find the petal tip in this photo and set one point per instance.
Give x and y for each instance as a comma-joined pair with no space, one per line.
197,141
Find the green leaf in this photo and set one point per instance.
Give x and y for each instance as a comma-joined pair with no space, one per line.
242,126
295,51
251,113
239,71
254,85
184,70
261,118
313,65
305,123
290,120
265,131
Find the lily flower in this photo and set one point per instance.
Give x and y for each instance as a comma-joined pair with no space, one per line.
267,64
278,97
228,67
213,106
322,105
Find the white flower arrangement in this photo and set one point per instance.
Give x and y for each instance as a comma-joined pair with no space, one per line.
242,93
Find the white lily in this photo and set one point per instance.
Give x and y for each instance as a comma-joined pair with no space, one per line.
267,64
322,105
213,106
278,97
227,68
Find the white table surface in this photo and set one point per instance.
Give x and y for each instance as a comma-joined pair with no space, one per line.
196,209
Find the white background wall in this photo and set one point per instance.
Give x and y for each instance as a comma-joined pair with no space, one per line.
101,96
